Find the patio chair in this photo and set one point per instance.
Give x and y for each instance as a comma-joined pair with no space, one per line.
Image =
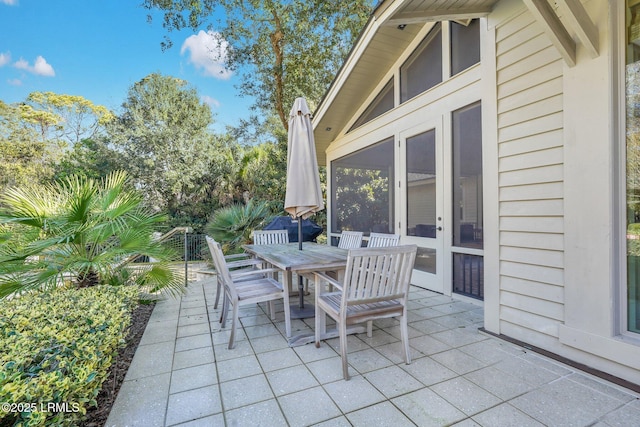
375,286
350,239
383,240
236,263
252,287
270,237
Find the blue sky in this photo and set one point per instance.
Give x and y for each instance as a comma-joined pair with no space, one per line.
99,48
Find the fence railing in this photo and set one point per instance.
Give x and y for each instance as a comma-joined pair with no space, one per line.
190,247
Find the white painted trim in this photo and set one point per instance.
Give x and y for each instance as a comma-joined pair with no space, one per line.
395,70
579,20
617,100
445,29
351,61
617,350
558,35
438,15
433,282
490,177
345,72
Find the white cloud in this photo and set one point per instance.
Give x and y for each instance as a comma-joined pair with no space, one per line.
212,102
5,58
9,2
15,82
21,64
40,68
208,52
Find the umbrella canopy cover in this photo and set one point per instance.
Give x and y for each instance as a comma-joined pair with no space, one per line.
304,195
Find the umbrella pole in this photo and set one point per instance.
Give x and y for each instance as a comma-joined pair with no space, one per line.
301,312
300,284
299,233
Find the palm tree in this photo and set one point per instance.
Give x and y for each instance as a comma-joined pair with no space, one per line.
232,225
83,230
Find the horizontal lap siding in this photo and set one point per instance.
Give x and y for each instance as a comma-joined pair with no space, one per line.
531,179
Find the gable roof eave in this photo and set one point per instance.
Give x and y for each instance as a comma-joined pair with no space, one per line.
392,27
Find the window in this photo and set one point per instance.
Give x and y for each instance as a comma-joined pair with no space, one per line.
423,69
633,166
467,177
380,105
468,269
465,45
362,196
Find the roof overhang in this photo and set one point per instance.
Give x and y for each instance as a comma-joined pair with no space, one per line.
394,25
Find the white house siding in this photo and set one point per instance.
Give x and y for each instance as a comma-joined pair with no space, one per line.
559,280
531,179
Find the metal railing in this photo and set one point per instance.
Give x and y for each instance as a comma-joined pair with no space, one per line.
192,247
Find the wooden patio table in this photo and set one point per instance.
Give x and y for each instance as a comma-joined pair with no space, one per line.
290,259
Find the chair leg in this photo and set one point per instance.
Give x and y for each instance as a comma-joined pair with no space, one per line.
370,328
343,349
215,306
404,332
225,311
319,314
287,314
234,322
272,309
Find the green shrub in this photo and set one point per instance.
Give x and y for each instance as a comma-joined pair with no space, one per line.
57,348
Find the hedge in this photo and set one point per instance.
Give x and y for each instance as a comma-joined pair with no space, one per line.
57,348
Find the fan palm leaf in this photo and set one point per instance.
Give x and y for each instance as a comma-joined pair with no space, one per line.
79,229
232,226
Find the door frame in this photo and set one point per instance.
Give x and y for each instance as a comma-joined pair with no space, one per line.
435,282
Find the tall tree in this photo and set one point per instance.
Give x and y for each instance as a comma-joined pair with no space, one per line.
24,158
68,118
92,158
164,141
283,49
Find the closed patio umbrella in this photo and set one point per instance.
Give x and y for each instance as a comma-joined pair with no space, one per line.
303,193
304,196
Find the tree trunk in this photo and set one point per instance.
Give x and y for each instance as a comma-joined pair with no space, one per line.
276,44
90,278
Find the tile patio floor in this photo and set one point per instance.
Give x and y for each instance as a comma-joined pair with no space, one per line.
183,374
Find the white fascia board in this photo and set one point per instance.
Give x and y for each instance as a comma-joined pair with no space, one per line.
351,61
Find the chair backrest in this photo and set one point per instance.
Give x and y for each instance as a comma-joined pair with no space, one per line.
350,239
270,237
378,274
220,264
383,240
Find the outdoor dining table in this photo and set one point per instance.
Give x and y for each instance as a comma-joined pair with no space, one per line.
290,259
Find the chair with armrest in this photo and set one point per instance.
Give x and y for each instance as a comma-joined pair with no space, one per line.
236,263
382,240
243,288
375,286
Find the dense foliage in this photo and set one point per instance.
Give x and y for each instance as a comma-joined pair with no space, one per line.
70,217
163,138
79,230
283,49
57,348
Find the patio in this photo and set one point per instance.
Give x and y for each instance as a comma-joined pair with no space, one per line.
183,374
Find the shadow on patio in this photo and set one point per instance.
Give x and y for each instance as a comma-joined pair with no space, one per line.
183,374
